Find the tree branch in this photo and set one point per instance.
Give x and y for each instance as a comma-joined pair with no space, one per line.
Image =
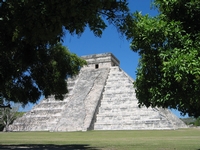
6,106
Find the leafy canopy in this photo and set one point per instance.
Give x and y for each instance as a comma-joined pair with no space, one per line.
32,62
168,73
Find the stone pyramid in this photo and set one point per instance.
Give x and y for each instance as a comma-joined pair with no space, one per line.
101,97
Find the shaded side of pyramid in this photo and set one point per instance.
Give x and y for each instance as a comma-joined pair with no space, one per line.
101,97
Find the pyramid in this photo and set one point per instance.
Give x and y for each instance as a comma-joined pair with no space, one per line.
101,97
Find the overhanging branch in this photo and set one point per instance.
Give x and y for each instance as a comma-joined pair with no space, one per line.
5,106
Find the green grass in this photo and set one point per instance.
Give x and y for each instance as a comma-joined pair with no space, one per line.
182,139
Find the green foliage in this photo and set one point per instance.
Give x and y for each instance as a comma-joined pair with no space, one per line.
44,72
168,74
32,62
188,121
197,122
192,121
7,116
19,114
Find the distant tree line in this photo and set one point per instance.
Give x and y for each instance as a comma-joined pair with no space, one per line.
191,121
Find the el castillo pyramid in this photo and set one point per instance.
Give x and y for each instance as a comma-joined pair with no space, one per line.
101,97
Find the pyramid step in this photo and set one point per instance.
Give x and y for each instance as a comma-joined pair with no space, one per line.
100,97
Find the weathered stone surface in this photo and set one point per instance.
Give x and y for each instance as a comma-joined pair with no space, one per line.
79,111
119,109
101,97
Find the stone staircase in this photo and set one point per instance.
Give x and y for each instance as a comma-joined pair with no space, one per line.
119,109
79,112
44,115
178,123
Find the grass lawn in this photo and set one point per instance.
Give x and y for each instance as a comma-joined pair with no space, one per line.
182,139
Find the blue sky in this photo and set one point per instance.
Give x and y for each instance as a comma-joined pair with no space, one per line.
111,41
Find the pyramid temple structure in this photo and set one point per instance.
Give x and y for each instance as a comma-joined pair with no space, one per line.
101,97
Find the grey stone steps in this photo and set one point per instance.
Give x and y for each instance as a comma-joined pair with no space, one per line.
101,97
50,106
117,96
119,108
129,127
44,113
133,122
86,95
118,90
121,86
122,82
128,117
122,102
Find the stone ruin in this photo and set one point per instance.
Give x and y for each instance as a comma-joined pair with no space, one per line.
101,97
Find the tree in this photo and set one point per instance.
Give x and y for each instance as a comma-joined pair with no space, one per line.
197,122
168,74
32,62
8,115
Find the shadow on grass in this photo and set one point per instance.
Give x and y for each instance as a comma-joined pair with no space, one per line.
47,147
